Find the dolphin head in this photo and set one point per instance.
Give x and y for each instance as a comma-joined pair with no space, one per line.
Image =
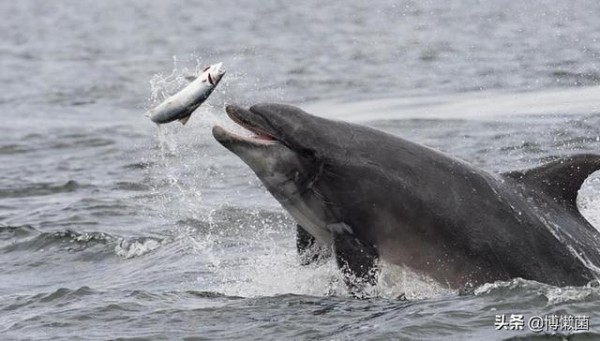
281,152
294,154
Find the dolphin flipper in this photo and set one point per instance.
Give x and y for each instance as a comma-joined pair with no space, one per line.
304,244
308,248
356,259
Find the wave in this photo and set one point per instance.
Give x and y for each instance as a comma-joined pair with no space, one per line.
542,293
139,165
40,189
13,149
63,295
27,238
144,313
569,78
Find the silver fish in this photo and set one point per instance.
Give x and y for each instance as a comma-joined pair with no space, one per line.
181,105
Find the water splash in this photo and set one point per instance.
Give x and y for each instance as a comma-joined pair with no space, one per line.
135,247
257,257
164,85
588,199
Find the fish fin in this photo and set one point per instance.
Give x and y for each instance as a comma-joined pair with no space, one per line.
561,179
185,119
309,250
356,258
190,78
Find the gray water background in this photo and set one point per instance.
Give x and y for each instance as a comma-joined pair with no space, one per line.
112,228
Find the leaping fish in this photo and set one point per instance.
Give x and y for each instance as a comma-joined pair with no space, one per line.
181,105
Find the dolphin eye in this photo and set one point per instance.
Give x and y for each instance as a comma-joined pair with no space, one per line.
307,153
206,68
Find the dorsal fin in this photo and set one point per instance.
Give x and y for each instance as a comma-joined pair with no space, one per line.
561,178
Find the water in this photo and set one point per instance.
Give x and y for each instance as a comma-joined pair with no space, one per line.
112,228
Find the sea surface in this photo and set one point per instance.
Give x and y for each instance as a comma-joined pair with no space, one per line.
114,228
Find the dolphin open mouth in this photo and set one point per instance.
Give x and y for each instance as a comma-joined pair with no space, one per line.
244,118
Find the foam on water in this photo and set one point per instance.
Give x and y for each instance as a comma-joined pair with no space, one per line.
271,267
130,248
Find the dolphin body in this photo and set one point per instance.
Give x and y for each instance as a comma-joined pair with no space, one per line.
370,195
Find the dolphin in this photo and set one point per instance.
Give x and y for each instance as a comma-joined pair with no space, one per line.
369,195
